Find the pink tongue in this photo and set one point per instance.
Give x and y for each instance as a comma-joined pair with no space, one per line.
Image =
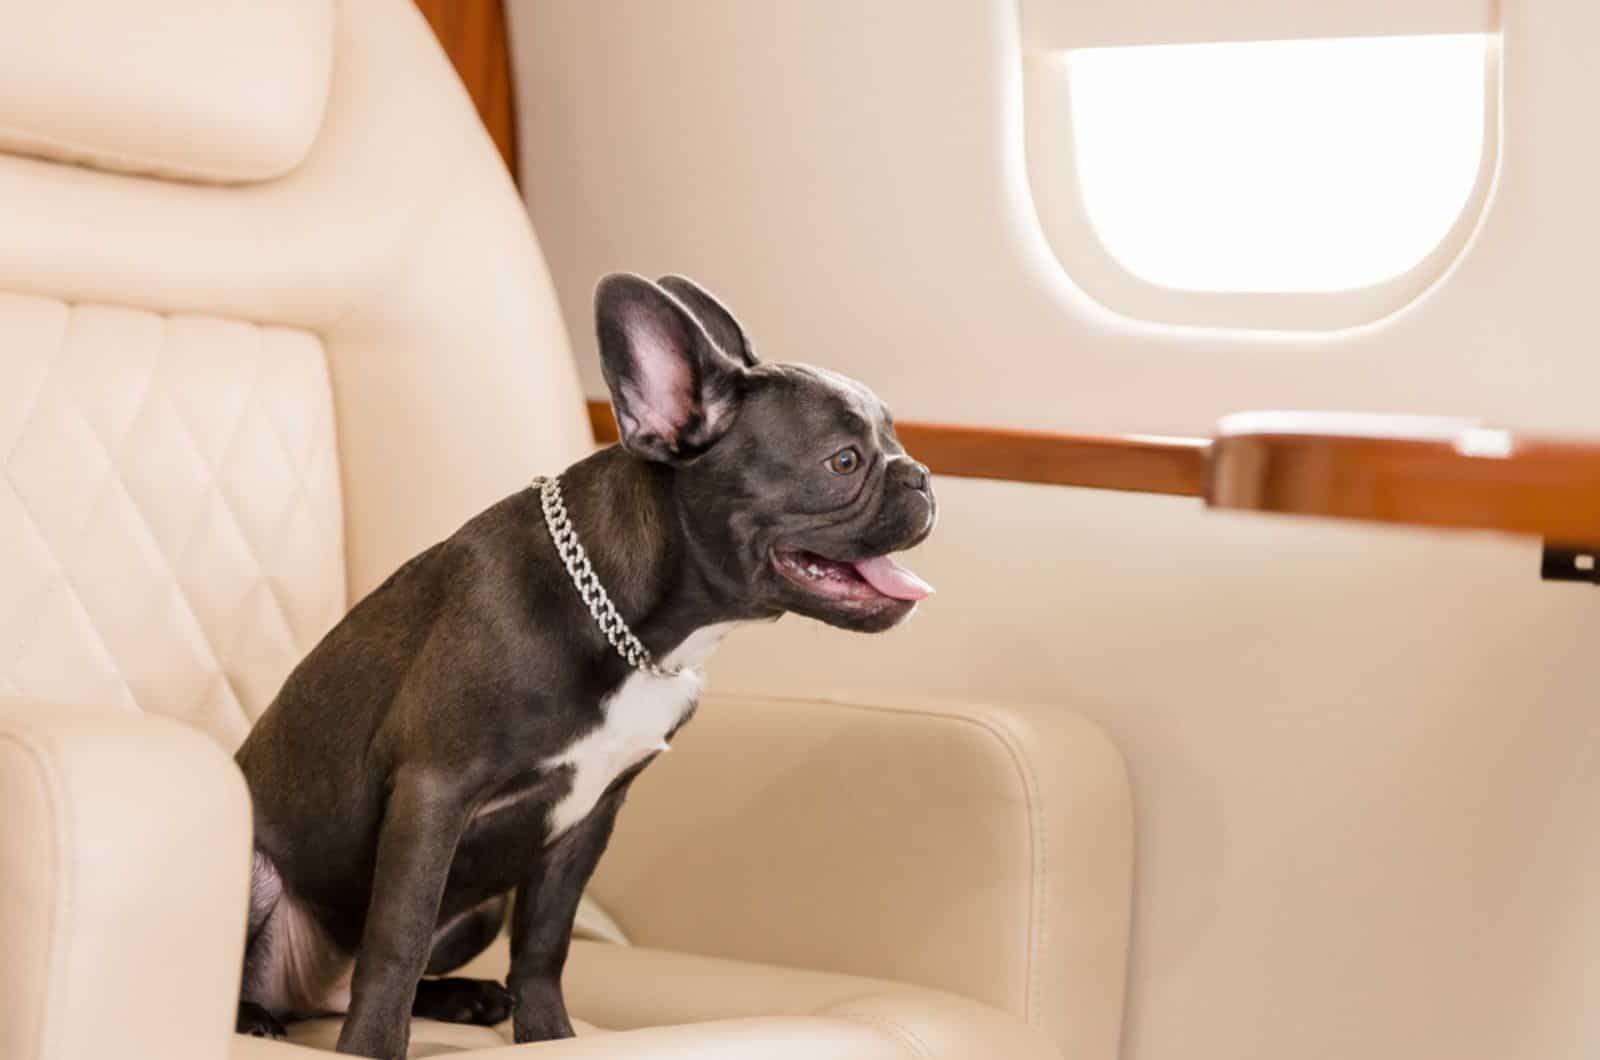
891,579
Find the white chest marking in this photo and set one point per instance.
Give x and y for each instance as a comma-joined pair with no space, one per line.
635,720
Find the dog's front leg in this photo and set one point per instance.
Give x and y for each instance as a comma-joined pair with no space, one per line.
422,824
541,923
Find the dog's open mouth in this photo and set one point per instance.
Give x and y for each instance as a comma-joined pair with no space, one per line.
850,581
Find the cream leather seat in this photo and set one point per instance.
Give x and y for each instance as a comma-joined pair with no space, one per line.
272,320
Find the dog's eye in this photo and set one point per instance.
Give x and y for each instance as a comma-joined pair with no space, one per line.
845,461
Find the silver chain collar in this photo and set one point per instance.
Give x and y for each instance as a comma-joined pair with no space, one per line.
588,584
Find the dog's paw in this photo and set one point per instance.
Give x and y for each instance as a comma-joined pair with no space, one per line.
480,1001
257,1022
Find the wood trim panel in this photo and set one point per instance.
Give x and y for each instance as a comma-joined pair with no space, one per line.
1312,465
473,34
1141,464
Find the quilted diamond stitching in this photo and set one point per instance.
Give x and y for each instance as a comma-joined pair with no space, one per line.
178,546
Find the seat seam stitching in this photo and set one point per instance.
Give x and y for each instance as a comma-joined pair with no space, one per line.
298,498
70,312
163,352
26,422
120,162
235,433
77,598
905,1034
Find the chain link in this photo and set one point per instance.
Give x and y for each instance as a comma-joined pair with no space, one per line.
588,584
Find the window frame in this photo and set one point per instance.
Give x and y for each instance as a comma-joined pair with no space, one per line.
1055,190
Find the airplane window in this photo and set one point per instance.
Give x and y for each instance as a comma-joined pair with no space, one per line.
1280,166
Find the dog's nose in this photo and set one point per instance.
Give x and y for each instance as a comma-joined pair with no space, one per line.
910,473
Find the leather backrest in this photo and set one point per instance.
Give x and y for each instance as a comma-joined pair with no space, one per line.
270,325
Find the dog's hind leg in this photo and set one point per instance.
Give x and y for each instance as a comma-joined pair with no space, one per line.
467,934
266,888
256,1021
456,942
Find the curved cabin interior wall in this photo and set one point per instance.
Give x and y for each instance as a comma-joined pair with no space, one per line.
1364,758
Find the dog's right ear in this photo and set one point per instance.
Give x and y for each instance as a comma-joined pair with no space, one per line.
674,392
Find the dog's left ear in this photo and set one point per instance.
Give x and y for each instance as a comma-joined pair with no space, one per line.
673,390
713,316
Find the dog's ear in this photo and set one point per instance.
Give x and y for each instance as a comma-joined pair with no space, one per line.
714,317
673,391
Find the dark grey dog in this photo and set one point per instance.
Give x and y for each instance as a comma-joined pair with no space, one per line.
472,726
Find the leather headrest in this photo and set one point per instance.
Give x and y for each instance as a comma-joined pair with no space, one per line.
219,91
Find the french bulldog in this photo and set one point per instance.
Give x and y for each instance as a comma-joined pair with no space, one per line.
471,728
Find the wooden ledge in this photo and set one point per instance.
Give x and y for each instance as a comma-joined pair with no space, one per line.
1410,470
1139,463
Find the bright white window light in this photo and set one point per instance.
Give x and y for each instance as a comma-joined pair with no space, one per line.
1318,165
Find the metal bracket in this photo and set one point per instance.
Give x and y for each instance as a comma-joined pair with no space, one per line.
1570,563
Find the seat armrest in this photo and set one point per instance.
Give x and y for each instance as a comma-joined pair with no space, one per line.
986,851
124,880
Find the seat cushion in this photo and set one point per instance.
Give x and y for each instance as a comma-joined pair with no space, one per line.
428,1037
613,988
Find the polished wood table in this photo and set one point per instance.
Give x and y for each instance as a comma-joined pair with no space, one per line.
1409,470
